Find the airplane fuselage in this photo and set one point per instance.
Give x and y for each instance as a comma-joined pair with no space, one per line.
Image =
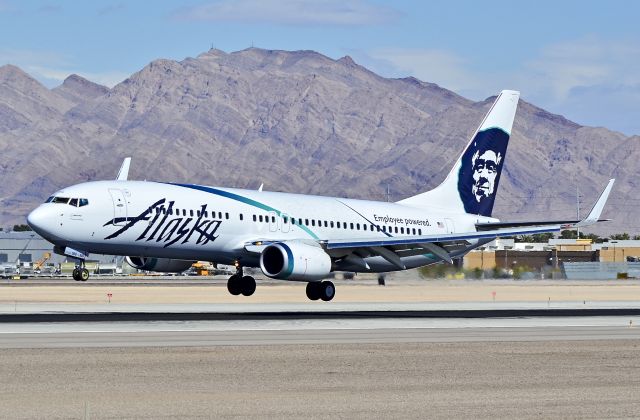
192,222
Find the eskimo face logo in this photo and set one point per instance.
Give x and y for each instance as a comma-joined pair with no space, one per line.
480,169
485,169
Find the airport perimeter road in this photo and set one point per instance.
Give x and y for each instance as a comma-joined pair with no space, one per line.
540,379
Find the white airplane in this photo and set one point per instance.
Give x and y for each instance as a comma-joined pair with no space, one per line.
165,227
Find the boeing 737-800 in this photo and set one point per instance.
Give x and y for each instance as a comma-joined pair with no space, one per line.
167,226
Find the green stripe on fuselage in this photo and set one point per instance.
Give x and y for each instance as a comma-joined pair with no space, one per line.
245,200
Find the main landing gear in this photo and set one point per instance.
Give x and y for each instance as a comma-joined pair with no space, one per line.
80,273
241,284
321,290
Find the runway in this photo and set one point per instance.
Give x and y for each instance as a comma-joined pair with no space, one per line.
99,330
327,366
86,338
564,351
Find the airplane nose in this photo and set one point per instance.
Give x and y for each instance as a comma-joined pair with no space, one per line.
40,221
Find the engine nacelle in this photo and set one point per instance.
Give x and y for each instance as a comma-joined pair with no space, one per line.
295,261
163,265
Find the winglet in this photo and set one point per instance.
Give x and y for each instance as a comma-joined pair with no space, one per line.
596,210
123,174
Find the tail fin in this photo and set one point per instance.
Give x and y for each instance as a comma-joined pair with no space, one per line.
472,184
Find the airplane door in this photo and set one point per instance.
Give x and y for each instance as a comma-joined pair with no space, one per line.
286,223
119,207
273,221
450,226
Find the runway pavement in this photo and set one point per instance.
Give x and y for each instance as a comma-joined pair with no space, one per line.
89,336
152,355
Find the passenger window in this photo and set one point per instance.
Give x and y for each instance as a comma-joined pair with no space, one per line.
226,216
396,229
351,226
313,222
344,224
220,215
184,212
206,214
357,226
326,224
419,231
299,221
273,219
331,224
384,228
285,219
241,217
191,213
402,230
293,221
260,218
338,225
254,217
306,222
364,227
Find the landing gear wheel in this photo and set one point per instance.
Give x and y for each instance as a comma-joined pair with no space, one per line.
84,274
76,274
248,285
234,285
328,291
314,290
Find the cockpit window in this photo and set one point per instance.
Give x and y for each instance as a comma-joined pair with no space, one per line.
83,202
60,200
73,202
50,199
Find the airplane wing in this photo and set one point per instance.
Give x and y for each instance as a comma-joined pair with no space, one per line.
123,173
592,218
393,249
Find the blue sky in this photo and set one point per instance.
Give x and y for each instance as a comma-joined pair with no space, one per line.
580,59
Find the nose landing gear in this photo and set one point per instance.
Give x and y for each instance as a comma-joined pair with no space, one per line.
239,284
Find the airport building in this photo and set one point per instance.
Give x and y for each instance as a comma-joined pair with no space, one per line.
23,252
565,258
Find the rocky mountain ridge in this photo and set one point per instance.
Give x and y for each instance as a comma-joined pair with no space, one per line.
299,122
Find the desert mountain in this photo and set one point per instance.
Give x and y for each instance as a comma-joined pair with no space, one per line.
299,122
77,89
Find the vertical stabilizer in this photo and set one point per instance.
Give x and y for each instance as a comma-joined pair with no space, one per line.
472,184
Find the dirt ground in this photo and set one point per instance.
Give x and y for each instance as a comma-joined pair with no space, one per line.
590,379
415,291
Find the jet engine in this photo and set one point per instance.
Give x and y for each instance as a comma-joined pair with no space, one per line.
295,261
163,265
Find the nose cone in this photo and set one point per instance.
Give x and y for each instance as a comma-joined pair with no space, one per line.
42,221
